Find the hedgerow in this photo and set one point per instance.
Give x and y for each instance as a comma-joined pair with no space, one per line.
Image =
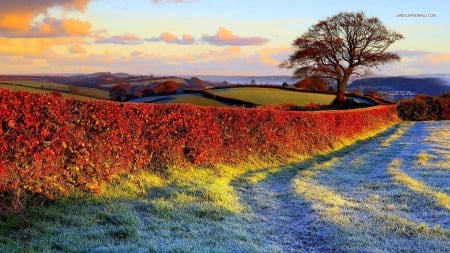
423,107
51,146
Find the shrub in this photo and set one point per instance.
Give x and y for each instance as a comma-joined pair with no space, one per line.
313,83
167,87
422,108
51,146
445,106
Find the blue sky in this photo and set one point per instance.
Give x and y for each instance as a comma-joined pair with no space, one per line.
200,37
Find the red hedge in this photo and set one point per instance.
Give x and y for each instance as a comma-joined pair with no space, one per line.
51,145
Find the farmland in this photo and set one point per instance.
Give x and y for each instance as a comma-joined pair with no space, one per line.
272,96
47,87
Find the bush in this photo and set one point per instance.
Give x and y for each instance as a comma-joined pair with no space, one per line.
51,146
167,87
313,84
445,106
423,107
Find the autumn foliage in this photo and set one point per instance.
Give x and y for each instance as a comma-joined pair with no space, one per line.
167,87
313,83
51,146
423,107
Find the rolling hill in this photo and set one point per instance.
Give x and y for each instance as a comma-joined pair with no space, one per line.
434,85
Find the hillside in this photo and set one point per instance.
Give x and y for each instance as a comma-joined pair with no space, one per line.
435,85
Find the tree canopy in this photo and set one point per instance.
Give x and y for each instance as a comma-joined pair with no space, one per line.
341,46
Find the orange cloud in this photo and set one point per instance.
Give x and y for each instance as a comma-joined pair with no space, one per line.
439,58
188,39
75,27
30,46
168,37
17,15
77,49
224,37
15,22
269,55
52,27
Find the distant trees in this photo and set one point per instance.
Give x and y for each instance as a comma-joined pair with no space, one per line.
119,92
424,107
167,87
341,46
313,84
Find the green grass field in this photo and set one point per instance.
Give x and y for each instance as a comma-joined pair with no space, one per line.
272,96
47,87
196,100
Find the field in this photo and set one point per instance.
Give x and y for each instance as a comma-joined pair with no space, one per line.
239,96
192,99
47,87
272,96
382,194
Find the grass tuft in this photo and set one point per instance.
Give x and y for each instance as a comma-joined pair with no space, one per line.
417,186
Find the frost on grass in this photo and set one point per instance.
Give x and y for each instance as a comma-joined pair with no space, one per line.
417,186
372,197
383,187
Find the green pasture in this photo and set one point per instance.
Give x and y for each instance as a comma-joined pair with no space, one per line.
64,89
273,96
196,100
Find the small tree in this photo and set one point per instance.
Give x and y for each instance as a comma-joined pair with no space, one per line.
313,83
341,46
119,92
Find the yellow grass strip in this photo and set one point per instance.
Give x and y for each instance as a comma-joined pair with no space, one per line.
327,202
399,133
417,186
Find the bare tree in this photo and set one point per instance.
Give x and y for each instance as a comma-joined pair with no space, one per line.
341,46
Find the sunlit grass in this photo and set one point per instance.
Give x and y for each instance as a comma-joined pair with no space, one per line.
66,90
357,195
401,130
423,158
195,100
417,186
272,96
350,198
327,202
204,184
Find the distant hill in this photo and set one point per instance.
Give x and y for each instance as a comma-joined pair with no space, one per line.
434,85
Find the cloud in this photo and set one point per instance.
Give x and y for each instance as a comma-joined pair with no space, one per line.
32,46
126,39
53,27
418,62
77,49
274,56
411,53
171,38
17,15
439,58
225,37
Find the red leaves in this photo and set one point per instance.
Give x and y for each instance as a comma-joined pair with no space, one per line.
52,145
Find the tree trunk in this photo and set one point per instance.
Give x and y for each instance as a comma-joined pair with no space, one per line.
341,86
340,96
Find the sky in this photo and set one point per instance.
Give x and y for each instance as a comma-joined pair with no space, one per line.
201,37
